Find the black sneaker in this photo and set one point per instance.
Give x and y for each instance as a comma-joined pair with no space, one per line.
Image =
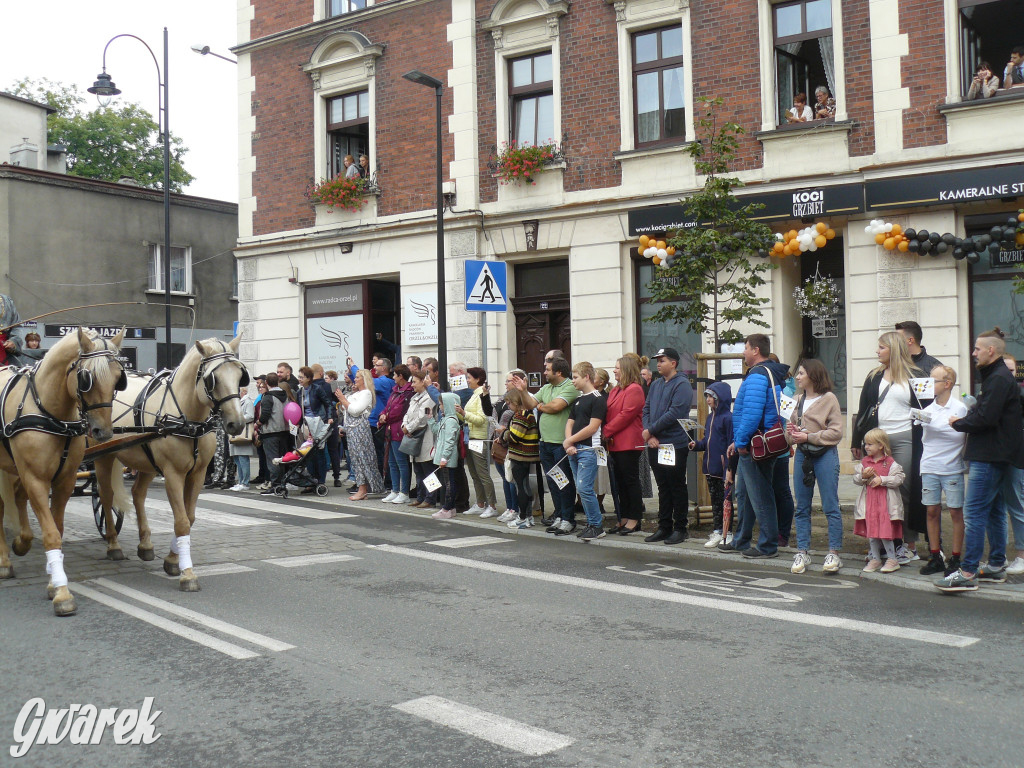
992,574
952,565
567,527
592,532
935,564
337,482
756,554
677,537
553,525
659,535
723,547
267,492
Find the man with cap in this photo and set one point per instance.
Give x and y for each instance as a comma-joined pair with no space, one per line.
668,400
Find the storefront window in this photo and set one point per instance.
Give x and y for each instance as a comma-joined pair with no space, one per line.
993,302
654,336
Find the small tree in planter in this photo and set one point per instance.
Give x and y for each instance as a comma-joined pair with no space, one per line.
723,257
517,163
339,192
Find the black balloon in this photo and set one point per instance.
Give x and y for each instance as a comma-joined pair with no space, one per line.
985,239
913,246
925,246
993,249
958,242
922,235
969,246
942,247
1012,221
910,233
762,253
996,232
973,258
948,239
1009,234
958,253
934,237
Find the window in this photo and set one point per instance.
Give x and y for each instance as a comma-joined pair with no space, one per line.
658,91
181,269
340,7
348,128
989,30
532,99
804,57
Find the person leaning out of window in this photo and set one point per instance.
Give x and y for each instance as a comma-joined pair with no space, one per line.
824,105
1013,75
985,84
800,113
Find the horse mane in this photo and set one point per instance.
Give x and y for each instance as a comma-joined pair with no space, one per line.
98,366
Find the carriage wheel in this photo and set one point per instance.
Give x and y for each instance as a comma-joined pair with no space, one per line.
321,490
100,518
281,491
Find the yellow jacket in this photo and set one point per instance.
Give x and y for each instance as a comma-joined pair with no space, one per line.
475,416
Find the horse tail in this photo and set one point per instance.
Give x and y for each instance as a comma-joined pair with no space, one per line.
122,500
7,496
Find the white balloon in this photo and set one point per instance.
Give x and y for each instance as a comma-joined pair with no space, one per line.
779,237
813,247
662,254
888,227
869,228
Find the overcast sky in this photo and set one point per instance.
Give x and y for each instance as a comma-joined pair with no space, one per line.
63,41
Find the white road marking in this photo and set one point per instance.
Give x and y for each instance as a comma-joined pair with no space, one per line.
300,560
210,570
469,541
229,649
208,515
816,620
486,725
207,621
278,506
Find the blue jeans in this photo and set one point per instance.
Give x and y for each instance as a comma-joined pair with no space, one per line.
242,462
758,503
826,473
507,487
584,471
983,512
564,500
783,497
1015,507
401,471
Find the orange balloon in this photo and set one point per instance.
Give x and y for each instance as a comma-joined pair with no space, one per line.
1019,238
830,234
791,235
820,227
904,246
880,238
896,229
671,250
889,244
779,247
644,241
820,241
1020,217
656,260
662,245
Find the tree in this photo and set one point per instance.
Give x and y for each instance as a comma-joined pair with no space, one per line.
108,143
722,259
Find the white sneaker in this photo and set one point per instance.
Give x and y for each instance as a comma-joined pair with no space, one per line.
522,524
236,487
389,498
832,563
800,562
508,515
565,525
713,540
1016,568
476,509
489,512
906,555
729,538
401,498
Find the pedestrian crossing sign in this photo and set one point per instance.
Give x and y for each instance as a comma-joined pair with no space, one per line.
486,283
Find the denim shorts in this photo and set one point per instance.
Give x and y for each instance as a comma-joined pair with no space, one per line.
932,487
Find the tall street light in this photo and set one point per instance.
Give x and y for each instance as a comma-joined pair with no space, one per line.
442,315
104,89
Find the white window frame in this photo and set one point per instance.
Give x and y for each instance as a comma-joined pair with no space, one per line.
156,251
342,63
632,17
766,33
320,10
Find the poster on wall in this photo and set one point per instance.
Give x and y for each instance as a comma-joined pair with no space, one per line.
420,318
330,341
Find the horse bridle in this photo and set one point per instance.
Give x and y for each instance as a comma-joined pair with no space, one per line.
85,379
206,375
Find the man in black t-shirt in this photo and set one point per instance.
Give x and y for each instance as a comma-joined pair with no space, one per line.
582,442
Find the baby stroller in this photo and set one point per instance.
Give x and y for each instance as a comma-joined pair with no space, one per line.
296,471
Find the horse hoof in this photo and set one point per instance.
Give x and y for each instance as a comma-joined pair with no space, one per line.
188,582
64,603
20,546
115,554
6,572
145,554
51,591
171,569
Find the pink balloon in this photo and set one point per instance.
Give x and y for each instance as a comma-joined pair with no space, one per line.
292,412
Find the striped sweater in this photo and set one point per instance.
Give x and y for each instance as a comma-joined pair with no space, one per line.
523,437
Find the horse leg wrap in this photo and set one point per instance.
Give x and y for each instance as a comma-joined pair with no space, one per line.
174,545
55,567
184,547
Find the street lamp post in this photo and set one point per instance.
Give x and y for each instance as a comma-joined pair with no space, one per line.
442,315
104,89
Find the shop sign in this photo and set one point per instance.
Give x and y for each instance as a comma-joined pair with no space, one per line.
825,327
1012,258
947,187
421,318
105,331
129,358
334,299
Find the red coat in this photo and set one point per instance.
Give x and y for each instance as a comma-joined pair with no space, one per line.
623,426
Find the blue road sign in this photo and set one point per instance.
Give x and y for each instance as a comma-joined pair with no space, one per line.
486,283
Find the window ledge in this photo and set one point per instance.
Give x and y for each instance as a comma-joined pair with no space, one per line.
1003,96
162,292
665,149
812,126
559,166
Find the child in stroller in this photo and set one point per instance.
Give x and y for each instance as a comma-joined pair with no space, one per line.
296,462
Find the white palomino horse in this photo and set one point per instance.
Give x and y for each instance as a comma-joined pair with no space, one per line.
45,415
177,406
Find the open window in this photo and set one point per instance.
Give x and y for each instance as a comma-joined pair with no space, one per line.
989,30
804,55
348,128
181,269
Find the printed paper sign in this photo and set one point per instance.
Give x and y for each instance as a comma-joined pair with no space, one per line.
787,407
431,482
476,446
691,428
602,456
293,429
458,382
667,455
559,477
924,388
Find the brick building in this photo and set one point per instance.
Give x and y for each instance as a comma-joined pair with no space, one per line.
613,83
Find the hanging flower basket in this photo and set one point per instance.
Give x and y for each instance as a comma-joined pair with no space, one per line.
517,163
339,192
818,297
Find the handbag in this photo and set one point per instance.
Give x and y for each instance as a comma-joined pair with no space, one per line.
499,451
412,444
244,437
869,419
771,443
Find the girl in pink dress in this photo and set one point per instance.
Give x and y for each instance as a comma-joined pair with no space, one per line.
878,514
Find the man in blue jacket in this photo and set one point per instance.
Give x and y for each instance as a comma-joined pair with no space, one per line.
669,400
756,408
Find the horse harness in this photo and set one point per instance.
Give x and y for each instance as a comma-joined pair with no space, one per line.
44,421
169,425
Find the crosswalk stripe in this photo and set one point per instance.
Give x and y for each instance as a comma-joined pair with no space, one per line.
300,560
280,507
469,541
210,570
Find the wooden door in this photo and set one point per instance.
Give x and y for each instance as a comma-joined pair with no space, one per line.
541,324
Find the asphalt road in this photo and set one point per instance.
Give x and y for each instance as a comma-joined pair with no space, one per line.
402,641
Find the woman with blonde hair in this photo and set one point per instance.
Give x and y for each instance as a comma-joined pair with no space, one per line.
361,453
885,403
623,430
